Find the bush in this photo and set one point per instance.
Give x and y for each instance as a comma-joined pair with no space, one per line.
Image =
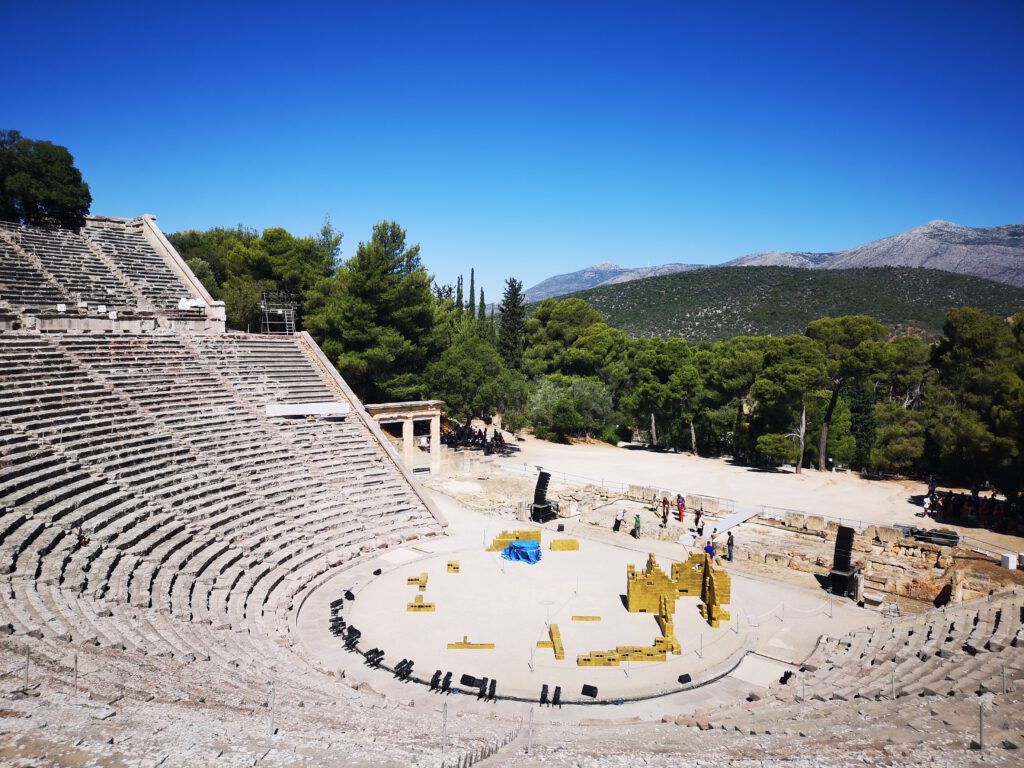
777,449
543,433
616,434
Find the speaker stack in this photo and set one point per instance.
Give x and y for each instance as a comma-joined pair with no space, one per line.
841,580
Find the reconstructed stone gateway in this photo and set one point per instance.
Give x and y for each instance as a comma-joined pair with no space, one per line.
158,532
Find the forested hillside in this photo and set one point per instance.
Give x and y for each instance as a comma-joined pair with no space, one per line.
714,304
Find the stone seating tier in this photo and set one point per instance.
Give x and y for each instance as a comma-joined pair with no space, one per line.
197,511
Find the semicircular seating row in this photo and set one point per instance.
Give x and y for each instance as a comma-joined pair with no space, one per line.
149,509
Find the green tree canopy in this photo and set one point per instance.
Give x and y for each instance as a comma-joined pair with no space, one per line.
471,378
977,430
512,324
243,263
39,184
794,367
375,317
552,329
852,348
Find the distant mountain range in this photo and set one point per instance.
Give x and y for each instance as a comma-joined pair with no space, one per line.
995,253
599,274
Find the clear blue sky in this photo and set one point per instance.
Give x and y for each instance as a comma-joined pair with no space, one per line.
534,139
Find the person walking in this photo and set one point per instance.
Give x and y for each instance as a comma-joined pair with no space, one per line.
636,526
664,511
619,517
681,506
729,543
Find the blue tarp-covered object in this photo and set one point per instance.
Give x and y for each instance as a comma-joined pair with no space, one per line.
522,552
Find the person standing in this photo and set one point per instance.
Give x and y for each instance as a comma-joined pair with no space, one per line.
636,526
619,517
681,506
664,511
729,543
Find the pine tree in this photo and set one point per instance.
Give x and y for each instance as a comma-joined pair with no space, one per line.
512,324
375,318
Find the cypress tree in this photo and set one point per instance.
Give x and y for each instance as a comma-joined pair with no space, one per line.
472,295
482,308
512,324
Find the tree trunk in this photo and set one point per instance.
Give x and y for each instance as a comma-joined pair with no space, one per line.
825,422
802,434
693,439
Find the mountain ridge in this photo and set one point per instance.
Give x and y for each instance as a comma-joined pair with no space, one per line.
993,253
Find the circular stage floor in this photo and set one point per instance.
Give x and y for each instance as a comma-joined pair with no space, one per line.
511,605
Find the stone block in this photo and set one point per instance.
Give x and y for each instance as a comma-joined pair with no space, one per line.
887,535
777,558
795,520
814,523
800,564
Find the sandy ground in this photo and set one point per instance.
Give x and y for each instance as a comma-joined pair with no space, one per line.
781,622
847,497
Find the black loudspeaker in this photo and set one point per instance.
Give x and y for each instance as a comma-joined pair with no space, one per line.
842,583
561,527
483,688
844,548
349,596
556,700
544,694
540,493
590,690
376,572
490,691
469,681
435,680
684,679
446,684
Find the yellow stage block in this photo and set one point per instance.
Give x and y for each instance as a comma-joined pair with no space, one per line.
565,545
418,581
418,606
658,652
503,539
586,618
465,645
453,566
555,643
598,659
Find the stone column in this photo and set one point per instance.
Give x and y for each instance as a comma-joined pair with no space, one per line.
435,445
408,443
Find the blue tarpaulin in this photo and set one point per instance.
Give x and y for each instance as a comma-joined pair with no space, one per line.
522,552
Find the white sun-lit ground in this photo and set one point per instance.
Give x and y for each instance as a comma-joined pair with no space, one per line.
509,604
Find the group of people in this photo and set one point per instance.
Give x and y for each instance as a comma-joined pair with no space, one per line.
710,548
972,509
468,436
